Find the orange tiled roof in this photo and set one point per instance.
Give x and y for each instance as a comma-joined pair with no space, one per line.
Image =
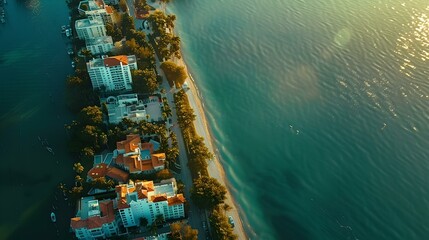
77,223
178,199
117,174
130,144
115,61
98,171
159,198
102,170
158,159
107,216
109,9
134,163
148,185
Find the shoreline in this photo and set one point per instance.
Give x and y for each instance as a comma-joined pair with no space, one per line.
197,104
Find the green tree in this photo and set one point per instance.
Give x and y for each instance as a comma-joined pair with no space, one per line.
164,174
87,153
74,81
226,207
207,192
174,73
220,226
76,191
87,54
92,136
78,168
103,183
114,31
144,81
79,92
159,219
143,222
91,115
123,5
180,231
127,25
78,179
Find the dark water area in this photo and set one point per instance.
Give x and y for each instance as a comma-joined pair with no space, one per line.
33,67
319,111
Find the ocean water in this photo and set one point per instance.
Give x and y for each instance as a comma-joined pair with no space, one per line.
319,111
33,67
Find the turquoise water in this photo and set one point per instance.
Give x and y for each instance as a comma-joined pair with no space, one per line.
33,67
319,111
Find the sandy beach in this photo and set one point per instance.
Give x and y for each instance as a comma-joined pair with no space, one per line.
215,168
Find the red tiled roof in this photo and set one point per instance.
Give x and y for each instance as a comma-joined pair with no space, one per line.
98,171
159,198
117,174
107,216
130,144
178,199
77,223
158,159
122,203
115,61
102,170
134,163
109,9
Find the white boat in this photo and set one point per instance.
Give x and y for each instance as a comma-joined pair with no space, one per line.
50,150
53,217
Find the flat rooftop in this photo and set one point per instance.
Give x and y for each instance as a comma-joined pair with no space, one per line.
99,40
82,23
165,188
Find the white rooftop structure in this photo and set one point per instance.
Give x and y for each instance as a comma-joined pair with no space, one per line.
125,106
96,9
90,28
131,107
99,45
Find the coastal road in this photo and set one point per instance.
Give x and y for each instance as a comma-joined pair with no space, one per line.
195,215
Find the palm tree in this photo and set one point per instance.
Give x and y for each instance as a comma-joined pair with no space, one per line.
143,222
226,207
78,168
78,179
86,54
153,228
159,219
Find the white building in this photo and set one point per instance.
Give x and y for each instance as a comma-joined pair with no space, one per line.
99,45
148,200
125,106
96,9
95,220
112,73
90,28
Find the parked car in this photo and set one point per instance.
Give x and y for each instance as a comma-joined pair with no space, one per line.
231,221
